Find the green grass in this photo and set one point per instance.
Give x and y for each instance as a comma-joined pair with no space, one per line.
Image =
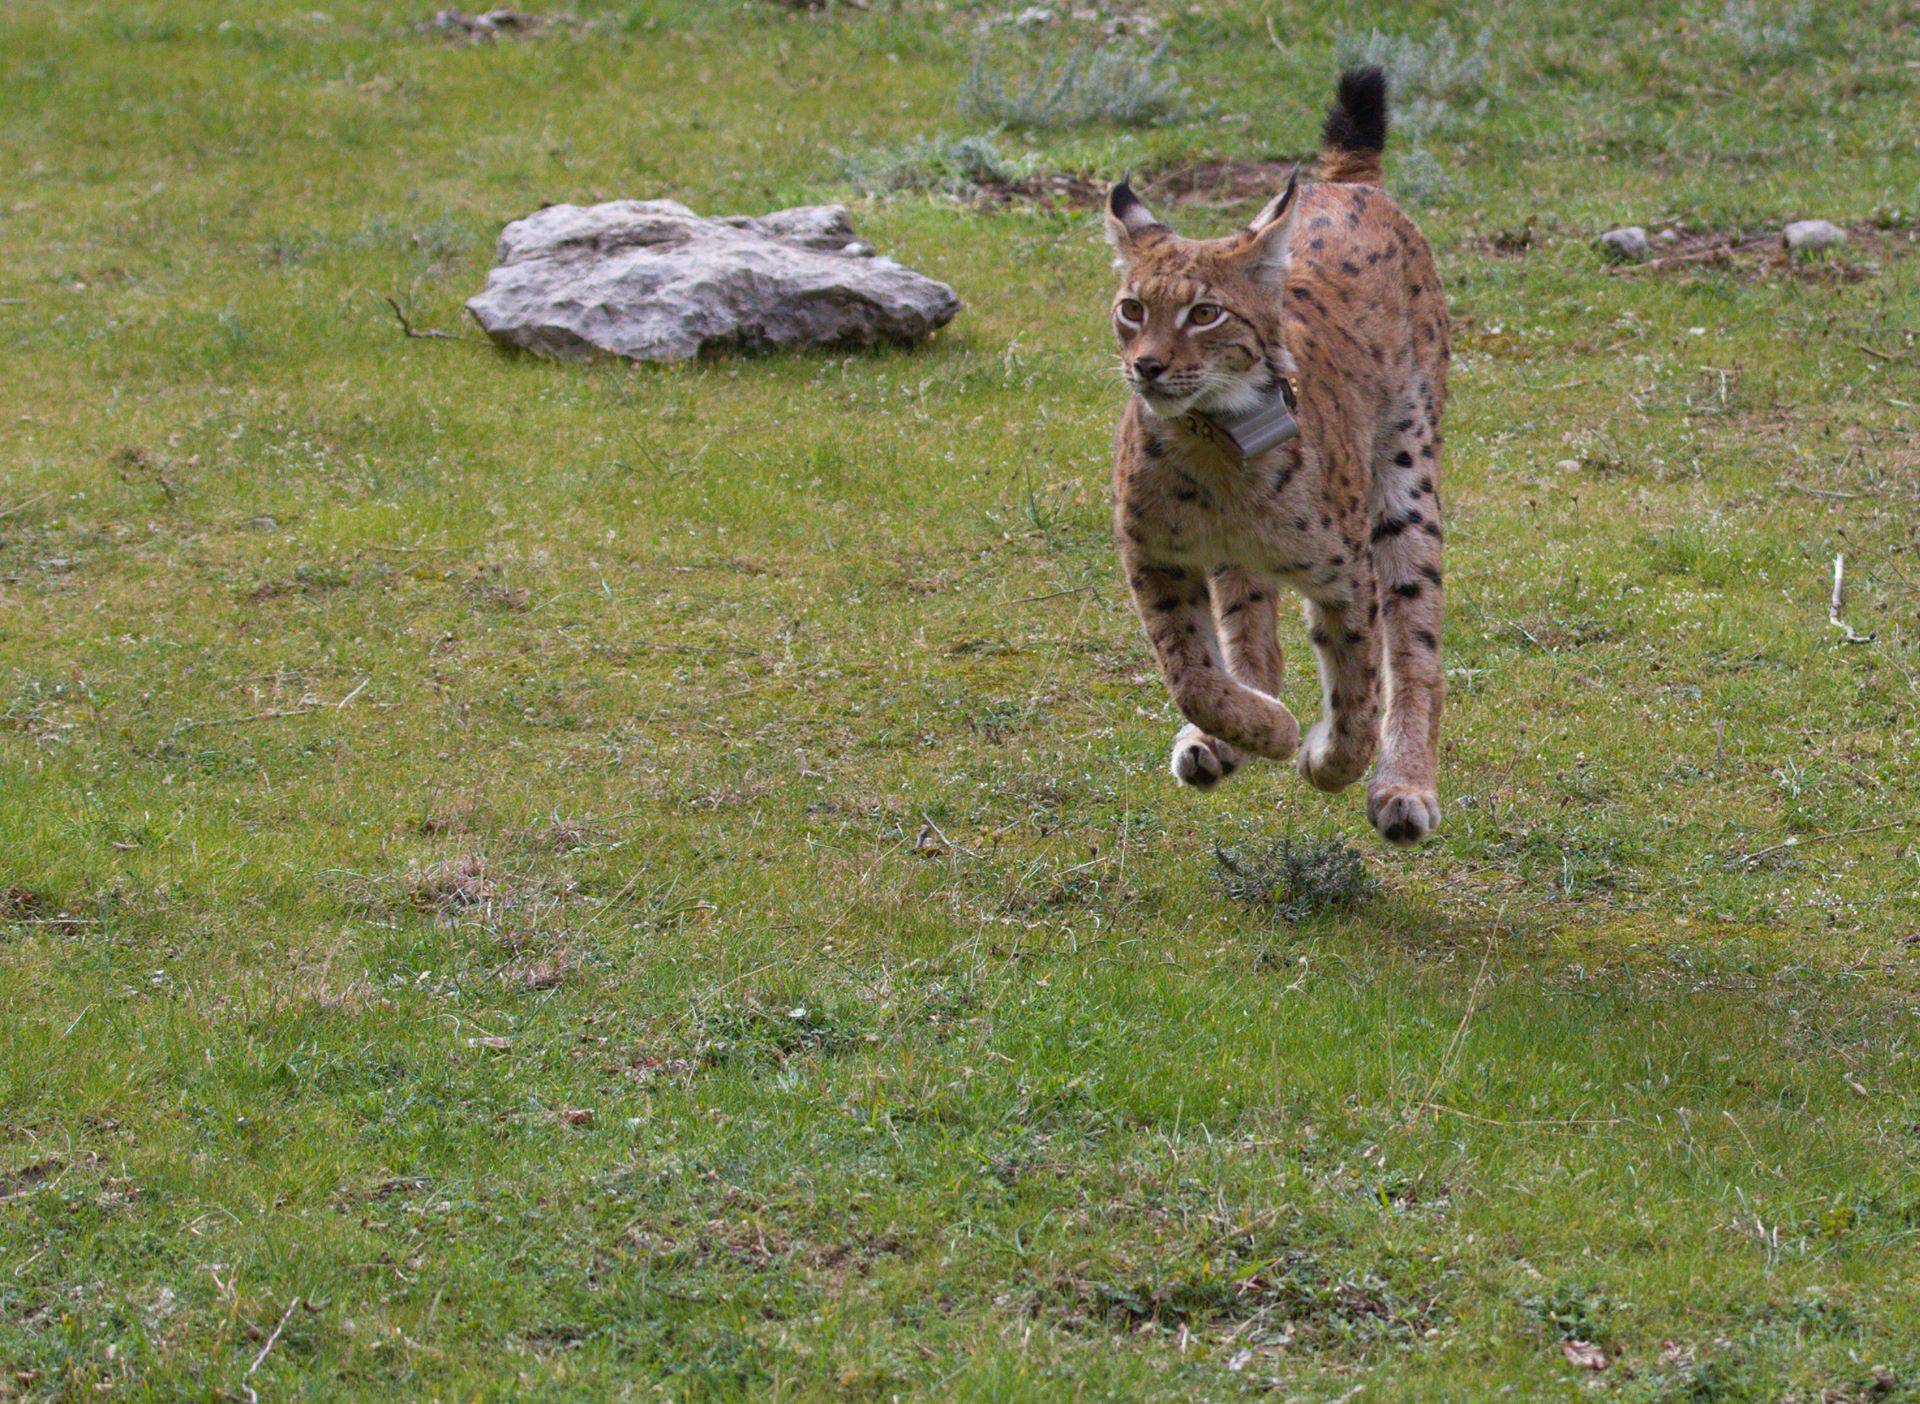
404,745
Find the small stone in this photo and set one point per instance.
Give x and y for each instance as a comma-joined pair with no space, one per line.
1630,245
1567,465
1806,235
1034,17
1668,236
1584,1355
577,1116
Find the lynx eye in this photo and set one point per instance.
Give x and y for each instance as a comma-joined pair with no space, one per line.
1204,314
1132,312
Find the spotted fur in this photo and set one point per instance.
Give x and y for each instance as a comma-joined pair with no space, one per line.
1333,287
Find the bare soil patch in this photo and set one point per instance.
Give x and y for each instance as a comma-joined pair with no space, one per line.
1204,183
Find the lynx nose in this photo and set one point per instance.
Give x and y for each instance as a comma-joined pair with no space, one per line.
1148,368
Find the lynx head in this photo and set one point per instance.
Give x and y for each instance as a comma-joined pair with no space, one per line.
1199,319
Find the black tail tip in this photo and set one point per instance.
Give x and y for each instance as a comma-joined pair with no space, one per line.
1358,121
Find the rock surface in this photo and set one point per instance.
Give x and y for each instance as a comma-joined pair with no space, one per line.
1630,243
653,281
1810,234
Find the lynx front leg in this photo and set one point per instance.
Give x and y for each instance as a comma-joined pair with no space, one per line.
1174,606
1243,613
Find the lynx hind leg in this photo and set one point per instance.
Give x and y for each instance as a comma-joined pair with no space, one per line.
1402,800
1244,607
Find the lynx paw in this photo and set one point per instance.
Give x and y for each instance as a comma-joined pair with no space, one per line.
1202,761
1324,764
1402,813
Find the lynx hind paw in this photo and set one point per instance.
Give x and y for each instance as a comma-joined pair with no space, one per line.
1202,761
1324,765
1403,815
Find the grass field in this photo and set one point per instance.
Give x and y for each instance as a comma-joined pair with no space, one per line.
522,880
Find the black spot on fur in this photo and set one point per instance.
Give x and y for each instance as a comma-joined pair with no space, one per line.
1426,638
1352,270
1354,636
1404,459
1426,451
1318,637
1403,426
1426,484
1408,589
1431,529
1432,572
1388,527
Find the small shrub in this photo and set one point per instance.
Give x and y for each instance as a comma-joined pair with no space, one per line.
1114,83
1423,75
944,165
1572,1311
1297,878
1758,35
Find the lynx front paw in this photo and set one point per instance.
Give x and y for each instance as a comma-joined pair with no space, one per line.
1403,814
1202,761
1325,763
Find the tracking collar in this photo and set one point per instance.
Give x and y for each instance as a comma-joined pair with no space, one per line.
1252,432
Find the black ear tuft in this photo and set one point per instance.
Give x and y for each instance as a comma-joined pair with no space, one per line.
1121,199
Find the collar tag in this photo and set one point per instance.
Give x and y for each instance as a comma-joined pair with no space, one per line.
1265,426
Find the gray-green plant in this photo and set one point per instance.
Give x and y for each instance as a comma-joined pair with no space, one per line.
1118,83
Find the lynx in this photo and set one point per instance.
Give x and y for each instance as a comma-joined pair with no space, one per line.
1284,428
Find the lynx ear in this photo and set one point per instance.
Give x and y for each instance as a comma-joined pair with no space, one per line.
1270,235
1128,222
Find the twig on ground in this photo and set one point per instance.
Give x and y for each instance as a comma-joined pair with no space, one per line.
1833,493
1878,354
1833,608
1052,594
1746,859
1569,1123
24,503
286,1316
1697,256
407,328
271,714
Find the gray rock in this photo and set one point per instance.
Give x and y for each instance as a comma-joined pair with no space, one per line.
653,281
1629,244
1810,234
